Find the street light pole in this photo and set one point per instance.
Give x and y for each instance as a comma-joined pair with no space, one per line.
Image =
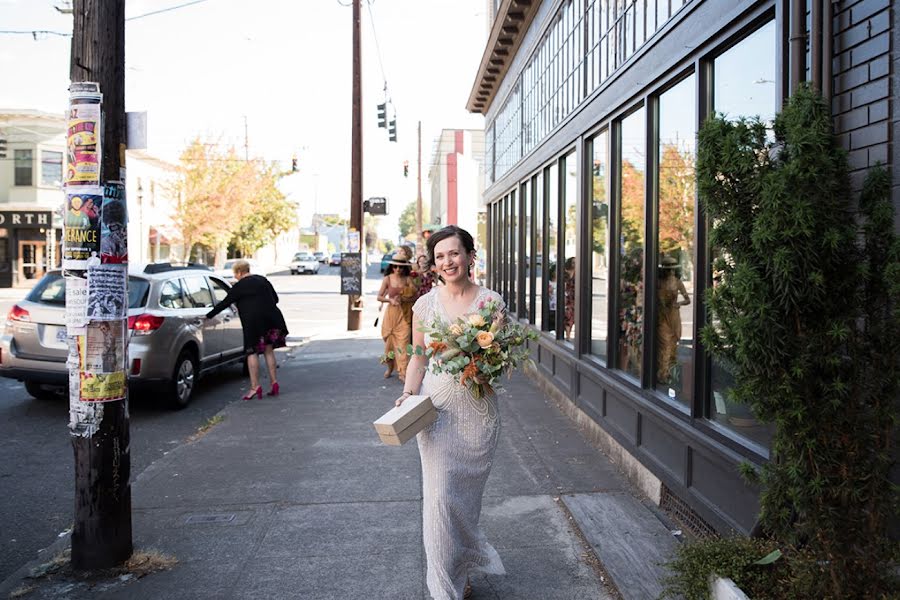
354,303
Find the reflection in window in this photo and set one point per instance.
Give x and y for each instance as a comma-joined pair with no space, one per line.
23,161
743,86
537,190
631,242
170,295
552,225
512,232
599,286
675,242
51,167
526,250
570,242
744,77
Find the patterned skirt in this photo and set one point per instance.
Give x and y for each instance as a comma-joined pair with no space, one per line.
274,337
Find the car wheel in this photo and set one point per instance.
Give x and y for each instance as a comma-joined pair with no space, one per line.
184,379
43,392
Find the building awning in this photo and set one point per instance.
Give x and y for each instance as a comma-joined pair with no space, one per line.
509,29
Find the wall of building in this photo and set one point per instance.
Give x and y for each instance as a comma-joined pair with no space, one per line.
691,451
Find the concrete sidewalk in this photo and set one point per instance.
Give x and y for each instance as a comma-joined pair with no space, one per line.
295,497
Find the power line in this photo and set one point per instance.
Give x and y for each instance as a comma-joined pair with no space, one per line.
163,10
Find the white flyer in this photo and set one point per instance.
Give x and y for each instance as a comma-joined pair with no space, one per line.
76,305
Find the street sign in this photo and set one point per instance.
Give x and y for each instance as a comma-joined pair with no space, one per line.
375,206
351,273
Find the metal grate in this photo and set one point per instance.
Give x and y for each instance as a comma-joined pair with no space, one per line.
687,517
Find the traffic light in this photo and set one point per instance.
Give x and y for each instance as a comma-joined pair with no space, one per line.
406,168
2,148
392,130
382,115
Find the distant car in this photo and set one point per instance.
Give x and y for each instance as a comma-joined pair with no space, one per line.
227,270
170,344
384,261
304,262
335,259
321,257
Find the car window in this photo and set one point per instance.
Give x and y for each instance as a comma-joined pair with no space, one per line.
228,265
220,289
196,292
51,289
170,295
137,292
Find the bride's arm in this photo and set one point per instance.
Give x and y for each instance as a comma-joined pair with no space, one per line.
415,370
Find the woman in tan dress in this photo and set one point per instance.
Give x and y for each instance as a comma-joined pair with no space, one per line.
668,329
399,292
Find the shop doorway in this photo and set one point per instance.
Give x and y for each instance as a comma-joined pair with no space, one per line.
32,261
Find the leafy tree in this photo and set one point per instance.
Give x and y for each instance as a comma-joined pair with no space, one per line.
677,186
805,310
407,222
272,214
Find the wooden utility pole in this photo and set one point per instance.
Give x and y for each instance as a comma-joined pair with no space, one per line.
420,239
354,312
101,536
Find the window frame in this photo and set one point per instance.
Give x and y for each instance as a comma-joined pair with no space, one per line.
20,164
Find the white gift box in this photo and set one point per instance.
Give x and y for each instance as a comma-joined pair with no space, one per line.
398,425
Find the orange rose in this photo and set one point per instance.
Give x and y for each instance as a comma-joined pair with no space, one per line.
484,338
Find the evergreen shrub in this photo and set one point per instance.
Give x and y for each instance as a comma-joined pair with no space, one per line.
804,308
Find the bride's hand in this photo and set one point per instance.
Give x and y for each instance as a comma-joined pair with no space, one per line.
400,400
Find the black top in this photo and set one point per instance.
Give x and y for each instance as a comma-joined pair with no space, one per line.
256,302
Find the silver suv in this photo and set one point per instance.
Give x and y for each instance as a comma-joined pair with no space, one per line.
170,343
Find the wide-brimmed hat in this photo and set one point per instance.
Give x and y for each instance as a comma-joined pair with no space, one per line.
399,263
669,262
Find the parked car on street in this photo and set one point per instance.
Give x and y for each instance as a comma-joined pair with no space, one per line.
304,262
384,261
321,257
170,343
335,260
227,270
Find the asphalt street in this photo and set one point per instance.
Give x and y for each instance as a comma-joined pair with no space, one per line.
37,474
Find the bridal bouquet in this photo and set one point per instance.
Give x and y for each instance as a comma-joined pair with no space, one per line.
477,348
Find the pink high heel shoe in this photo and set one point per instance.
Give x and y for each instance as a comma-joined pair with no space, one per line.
274,391
255,392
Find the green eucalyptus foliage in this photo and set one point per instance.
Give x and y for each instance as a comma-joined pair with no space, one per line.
742,560
804,310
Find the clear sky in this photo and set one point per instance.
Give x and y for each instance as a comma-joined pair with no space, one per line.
285,65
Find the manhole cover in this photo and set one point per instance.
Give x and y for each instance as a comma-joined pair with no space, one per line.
206,519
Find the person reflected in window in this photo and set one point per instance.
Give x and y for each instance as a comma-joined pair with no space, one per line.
569,295
551,297
668,329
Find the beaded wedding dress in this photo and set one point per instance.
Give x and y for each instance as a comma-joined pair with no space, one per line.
457,451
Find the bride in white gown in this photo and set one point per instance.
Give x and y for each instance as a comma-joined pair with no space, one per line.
457,450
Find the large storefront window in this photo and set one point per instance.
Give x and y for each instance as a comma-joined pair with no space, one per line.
569,167
513,236
743,86
537,190
599,287
552,174
527,257
633,153
675,242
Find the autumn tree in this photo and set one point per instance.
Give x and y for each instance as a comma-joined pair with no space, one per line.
213,191
677,189
271,213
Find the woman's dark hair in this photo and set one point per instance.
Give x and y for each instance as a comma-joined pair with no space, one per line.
404,270
448,232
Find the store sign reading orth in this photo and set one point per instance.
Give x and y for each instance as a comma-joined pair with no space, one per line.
24,219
